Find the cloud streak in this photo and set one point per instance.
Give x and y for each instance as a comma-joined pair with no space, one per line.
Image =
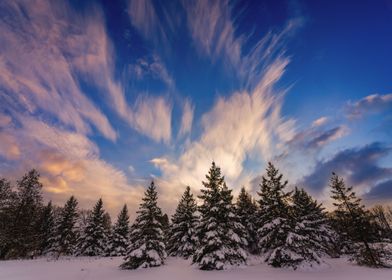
370,104
70,164
359,166
37,34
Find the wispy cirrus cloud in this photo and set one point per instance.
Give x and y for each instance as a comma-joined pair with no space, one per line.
187,118
370,104
69,164
145,19
213,31
152,115
317,137
152,67
36,32
320,121
245,124
65,48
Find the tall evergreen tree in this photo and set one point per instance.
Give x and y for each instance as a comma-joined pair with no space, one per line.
311,236
147,247
64,241
246,211
25,225
7,204
93,241
182,237
353,220
47,228
120,234
274,220
220,246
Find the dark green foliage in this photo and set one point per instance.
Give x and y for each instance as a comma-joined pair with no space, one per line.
164,220
274,220
182,237
7,202
147,247
47,228
26,212
66,233
310,236
352,220
120,234
246,212
93,240
220,246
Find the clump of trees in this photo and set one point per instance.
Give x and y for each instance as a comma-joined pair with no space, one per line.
287,228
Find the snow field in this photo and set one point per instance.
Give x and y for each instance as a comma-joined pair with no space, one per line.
90,268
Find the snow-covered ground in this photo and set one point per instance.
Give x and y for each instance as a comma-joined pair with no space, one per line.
107,268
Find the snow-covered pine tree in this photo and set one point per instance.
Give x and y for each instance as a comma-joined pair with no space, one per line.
25,225
107,226
219,245
7,204
164,220
93,241
120,234
274,220
246,211
236,232
353,221
182,236
147,247
311,236
46,228
65,233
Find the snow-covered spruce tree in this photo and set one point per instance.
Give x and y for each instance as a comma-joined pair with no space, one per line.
164,220
120,234
311,236
353,221
182,239
93,240
47,228
274,220
219,244
246,211
66,232
147,247
25,225
7,204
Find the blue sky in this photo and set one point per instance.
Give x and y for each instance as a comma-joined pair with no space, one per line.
103,96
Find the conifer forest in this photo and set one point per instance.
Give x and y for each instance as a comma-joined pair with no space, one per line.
215,231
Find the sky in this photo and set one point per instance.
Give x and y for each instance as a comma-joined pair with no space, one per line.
104,96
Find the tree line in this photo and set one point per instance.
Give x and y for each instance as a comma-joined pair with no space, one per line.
287,228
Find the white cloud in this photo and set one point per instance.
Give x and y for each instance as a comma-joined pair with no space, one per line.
212,29
37,34
144,18
70,164
62,47
187,118
244,125
152,67
374,103
320,122
152,116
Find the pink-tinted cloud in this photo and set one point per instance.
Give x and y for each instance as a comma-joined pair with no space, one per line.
374,103
38,33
